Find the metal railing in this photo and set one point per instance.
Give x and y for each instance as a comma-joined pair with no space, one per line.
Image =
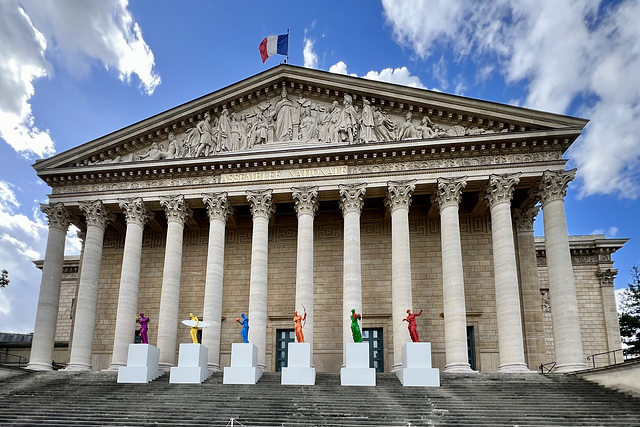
543,367
592,357
18,361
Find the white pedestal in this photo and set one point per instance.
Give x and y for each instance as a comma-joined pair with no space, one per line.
244,362
299,370
357,371
192,365
142,364
416,366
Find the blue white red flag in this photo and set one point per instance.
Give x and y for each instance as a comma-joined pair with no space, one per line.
274,44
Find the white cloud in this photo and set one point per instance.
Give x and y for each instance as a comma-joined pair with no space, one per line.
401,75
310,57
74,33
563,52
612,232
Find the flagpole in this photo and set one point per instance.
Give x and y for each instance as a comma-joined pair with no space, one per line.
287,45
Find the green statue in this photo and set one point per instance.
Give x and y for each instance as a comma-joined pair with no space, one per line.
355,328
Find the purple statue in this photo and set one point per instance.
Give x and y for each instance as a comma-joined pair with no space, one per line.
143,327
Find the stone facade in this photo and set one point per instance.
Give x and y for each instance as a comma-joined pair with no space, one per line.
304,208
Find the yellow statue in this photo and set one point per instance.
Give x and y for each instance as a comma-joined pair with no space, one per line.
194,329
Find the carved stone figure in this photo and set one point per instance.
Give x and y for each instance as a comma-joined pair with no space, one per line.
260,129
347,126
175,148
407,129
200,138
224,132
426,128
154,153
367,123
245,130
308,128
283,117
329,128
385,128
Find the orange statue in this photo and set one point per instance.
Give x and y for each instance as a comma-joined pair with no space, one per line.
297,320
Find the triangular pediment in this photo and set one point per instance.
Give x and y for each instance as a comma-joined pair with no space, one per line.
293,108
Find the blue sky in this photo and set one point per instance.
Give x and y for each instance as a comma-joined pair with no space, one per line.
74,70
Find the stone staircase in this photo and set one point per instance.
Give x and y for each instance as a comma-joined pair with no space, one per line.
95,398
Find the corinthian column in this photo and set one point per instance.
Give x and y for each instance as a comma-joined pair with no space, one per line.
136,215
306,206
261,209
351,204
499,193
398,201
85,322
219,210
552,189
177,211
448,197
48,301
530,287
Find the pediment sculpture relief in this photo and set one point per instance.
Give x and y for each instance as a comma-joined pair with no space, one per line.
282,120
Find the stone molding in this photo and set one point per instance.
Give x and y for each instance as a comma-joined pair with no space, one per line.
351,197
524,219
217,206
553,185
306,200
449,191
500,188
261,203
399,194
135,211
57,214
96,213
607,276
176,208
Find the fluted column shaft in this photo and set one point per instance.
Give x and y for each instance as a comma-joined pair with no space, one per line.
351,202
455,318
85,321
136,215
398,201
261,209
510,344
562,290
49,299
218,210
306,206
176,210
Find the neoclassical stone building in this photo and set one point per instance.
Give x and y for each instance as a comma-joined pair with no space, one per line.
297,189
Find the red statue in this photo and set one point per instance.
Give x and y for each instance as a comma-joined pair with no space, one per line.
413,328
297,320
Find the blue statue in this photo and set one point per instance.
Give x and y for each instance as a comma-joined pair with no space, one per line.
245,328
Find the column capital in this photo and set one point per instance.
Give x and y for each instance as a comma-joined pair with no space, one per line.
57,215
96,213
524,219
399,194
306,200
553,185
606,276
135,211
351,196
261,203
449,191
217,206
176,208
500,188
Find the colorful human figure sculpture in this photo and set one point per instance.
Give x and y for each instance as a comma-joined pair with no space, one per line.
194,329
245,328
355,328
413,328
297,320
143,321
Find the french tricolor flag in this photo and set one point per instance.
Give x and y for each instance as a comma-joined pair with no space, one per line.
274,44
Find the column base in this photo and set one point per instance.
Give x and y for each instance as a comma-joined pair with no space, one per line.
77,367
517,368
114,367
213,367
35,366
459,367
165,367
569,367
